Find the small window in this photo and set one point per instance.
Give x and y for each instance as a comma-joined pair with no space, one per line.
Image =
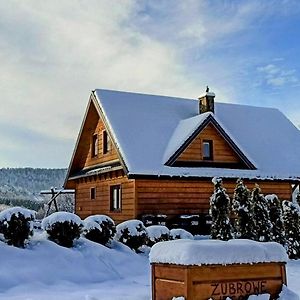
207,150
95,145
93,193
115,198
106,142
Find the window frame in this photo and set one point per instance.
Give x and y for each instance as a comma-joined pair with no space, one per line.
95,145
106,143
93,193
118,201
211,151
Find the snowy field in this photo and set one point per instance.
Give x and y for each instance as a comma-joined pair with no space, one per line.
89,271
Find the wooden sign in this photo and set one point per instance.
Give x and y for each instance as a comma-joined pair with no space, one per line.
217,282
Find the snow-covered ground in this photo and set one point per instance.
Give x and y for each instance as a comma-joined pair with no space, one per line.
89,271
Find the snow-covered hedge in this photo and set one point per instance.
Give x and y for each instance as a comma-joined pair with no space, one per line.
157,233
99,228
132,233
63,228
178,233
16,225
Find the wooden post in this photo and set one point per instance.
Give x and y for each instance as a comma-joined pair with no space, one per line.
54,194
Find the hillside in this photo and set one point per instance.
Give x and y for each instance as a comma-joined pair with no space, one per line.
26,183
21,186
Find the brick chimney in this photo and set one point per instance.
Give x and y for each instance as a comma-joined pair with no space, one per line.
207,102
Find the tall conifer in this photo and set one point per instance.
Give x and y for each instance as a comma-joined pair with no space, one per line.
263,225
291,219
220,210
242,207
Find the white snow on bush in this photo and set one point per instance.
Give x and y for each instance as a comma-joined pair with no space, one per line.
99,219
270,197
207,252
6,214
60,217
90,225
179,233
156,231
132,226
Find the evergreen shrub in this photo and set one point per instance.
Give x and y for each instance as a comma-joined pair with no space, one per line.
291,219
132,233
63,228
263,225
99,228
178,233
276,218
16,225
221,227
242,207
157,233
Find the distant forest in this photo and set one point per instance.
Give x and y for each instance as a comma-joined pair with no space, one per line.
22,186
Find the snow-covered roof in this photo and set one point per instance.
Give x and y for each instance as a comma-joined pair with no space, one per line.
147,128
210,252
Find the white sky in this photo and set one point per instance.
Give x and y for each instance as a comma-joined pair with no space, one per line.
53,53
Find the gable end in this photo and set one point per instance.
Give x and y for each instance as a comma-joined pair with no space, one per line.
244,163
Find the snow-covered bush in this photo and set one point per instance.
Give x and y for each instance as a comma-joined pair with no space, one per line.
178,233
221,228
63,228
132,233
242,207
291,219
275,212
99,228
16,225
263,225
157,233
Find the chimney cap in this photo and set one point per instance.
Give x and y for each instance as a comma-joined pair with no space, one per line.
207,93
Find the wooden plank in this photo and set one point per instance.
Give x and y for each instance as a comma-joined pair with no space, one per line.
101,205
178,197
222,151
217,281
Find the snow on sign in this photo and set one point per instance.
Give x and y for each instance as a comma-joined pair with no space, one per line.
211,269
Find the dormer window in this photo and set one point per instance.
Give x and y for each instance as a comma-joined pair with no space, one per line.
106,142
95,145
207,150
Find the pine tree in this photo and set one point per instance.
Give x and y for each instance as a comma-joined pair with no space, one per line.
221,228
291,219
263,226
243,209
298,198
276,218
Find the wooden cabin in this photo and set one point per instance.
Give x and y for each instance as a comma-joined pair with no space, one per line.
140,154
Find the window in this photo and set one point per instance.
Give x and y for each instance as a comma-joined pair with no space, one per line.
115,198
207,150
95,145
106,142
93,193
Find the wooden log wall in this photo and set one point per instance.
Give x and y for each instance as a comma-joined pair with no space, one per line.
84,206
83,157
222,152
173,197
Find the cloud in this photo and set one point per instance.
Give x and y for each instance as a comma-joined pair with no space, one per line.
276,76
